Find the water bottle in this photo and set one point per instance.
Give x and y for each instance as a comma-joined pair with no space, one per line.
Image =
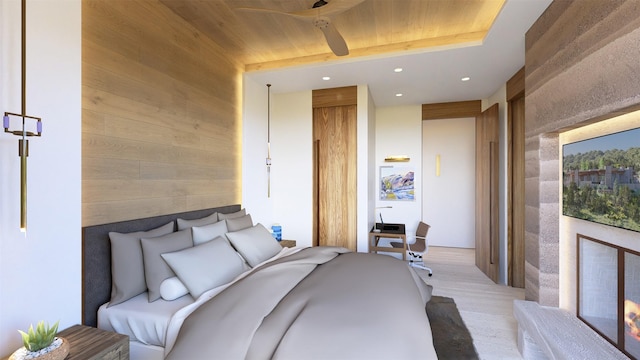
277,231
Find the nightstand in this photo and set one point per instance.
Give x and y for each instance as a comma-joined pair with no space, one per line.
287,243
89,343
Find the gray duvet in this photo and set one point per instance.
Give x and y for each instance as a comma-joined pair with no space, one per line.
319,303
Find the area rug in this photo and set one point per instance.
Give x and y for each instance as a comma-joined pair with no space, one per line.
451,338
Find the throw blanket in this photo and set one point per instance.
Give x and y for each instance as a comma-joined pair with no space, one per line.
320,303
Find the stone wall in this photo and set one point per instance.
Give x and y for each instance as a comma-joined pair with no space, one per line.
582,65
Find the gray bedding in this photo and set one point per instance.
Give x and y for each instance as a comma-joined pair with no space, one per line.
319,303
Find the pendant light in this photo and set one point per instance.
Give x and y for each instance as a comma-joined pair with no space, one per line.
268,140
23,143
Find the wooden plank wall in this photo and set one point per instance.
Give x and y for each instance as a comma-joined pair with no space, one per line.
161,115
451,110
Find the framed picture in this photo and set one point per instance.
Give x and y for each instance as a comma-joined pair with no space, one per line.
600,179
397,183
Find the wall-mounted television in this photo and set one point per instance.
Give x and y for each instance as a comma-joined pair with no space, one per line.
601,179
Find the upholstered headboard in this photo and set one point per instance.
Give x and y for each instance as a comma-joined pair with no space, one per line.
96,255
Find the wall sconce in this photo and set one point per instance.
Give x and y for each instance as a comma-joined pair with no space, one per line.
23,143
397,158
438,165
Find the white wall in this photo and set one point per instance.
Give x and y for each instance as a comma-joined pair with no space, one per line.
291,201
381,132
254,152
292,152
40,273
399,132
367,184
449,199
570,227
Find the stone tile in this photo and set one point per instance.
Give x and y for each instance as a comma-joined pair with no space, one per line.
549,147
550,169
549,223
531,249
550,190
531,220
532,191
549,259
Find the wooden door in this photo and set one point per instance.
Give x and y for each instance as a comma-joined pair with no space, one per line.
515,177
334,134
516,191
487,191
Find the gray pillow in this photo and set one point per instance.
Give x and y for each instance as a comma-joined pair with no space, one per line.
127,266
156,269
239,223
232,215
206,266
184,224
202,234
255,244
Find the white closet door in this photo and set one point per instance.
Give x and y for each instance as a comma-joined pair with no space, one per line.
448,202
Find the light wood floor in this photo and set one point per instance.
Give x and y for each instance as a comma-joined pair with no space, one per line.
485,307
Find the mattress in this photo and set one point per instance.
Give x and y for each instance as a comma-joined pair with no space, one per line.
141,320
158,323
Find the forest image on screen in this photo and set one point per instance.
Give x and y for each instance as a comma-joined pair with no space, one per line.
601,181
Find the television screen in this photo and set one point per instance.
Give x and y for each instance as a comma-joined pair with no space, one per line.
601,181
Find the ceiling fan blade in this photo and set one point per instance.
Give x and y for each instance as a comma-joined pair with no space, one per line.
333,7
260,10
330,9
320,17
334,39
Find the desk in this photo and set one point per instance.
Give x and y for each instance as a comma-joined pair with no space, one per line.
374,237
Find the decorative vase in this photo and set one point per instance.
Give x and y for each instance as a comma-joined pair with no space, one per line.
58,350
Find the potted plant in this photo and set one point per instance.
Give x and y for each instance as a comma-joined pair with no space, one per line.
42,344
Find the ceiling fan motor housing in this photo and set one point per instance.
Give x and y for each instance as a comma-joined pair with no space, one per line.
321,22
319,3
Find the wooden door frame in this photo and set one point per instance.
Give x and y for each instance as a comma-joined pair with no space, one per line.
331,100
487,192
515,214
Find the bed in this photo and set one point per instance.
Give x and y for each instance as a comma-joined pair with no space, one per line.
242,296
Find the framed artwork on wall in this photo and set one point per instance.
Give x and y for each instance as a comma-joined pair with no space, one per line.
397,183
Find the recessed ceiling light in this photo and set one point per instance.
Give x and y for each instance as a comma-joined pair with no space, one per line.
398,69
325,78
399,94
466,78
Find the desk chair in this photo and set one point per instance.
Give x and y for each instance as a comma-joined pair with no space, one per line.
418,249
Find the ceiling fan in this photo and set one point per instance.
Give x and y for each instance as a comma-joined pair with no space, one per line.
320,16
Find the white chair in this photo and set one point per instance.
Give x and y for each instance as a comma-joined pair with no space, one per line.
419,249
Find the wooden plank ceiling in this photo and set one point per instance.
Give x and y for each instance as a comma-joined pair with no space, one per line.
262,40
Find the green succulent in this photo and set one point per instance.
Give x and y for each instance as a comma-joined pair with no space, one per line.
39,339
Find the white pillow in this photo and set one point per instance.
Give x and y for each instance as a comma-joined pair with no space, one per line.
155,268
205,266
172,288
239,223
223,216
202,234
184,224
255,244
127,264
